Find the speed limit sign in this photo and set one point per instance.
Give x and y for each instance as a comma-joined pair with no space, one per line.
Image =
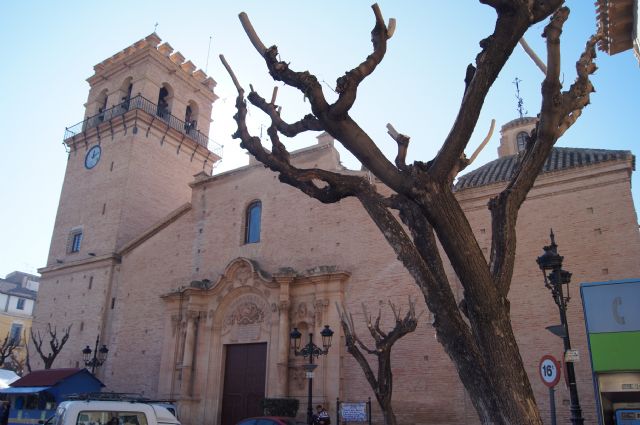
549,369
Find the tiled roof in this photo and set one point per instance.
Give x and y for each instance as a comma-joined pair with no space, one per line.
46,378
615,20
560,159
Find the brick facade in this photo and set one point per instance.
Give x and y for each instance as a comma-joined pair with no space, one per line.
164,229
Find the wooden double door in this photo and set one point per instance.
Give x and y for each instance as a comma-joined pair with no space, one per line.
244,382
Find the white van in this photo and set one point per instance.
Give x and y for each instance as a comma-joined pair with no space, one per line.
99,412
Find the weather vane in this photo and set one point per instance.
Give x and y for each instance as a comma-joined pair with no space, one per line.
155,27
521,110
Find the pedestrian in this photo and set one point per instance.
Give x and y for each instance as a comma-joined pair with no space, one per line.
4,414
321,417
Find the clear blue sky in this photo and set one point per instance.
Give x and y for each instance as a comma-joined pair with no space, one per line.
49,50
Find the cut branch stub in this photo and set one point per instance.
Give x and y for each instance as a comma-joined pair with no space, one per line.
231,74
403,146
534,57
251,33
484,142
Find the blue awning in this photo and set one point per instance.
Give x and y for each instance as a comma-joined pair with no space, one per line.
23,390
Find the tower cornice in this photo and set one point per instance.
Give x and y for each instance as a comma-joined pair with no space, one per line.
147,48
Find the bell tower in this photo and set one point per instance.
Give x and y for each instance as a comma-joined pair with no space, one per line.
514,135
143,138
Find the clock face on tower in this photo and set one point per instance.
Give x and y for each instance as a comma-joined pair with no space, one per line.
93,156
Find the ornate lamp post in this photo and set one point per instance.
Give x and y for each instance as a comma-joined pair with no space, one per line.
99,356
550,264
310,350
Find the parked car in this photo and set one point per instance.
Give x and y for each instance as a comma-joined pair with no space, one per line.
270,420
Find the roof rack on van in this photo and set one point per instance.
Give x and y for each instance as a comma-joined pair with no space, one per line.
112,396
109,396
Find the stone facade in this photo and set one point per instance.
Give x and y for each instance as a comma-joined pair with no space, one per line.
164,275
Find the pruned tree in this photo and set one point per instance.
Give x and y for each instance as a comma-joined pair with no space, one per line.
55,344
16,363
423,208
382,382
9,344
27,357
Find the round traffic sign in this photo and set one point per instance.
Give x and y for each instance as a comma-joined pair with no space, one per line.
549,369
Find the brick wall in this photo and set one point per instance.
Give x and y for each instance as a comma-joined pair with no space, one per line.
589,208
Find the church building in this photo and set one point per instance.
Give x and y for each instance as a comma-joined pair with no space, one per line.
194,280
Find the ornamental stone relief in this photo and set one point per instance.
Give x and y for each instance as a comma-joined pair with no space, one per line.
243,274
247,313
245,318
302,313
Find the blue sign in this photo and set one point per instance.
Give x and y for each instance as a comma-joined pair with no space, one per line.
612,306
353,412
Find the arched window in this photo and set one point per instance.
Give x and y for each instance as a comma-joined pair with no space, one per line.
521,140
252,222
164,101
190,117
125,92
102,105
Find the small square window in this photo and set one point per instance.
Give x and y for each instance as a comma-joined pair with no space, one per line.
20,305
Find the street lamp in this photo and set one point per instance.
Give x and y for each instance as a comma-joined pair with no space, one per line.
550,264
310,350
99,356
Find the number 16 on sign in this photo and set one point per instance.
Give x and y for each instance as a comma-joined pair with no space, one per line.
549,369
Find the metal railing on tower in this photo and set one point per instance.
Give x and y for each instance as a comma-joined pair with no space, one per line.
138,102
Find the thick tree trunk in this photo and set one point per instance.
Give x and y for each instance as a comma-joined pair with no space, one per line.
389,416
499,387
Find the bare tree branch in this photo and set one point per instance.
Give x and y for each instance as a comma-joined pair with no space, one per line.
483,144
362,147
382,382
251,33
232,75
464,162
338,185
27,360
308,123
308,84
347,85
353,342
578,95
55,344
532,54
559,110
514,18
9,344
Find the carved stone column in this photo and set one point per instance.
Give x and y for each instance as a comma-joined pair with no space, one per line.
170,343
284,328
283,348
187,358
